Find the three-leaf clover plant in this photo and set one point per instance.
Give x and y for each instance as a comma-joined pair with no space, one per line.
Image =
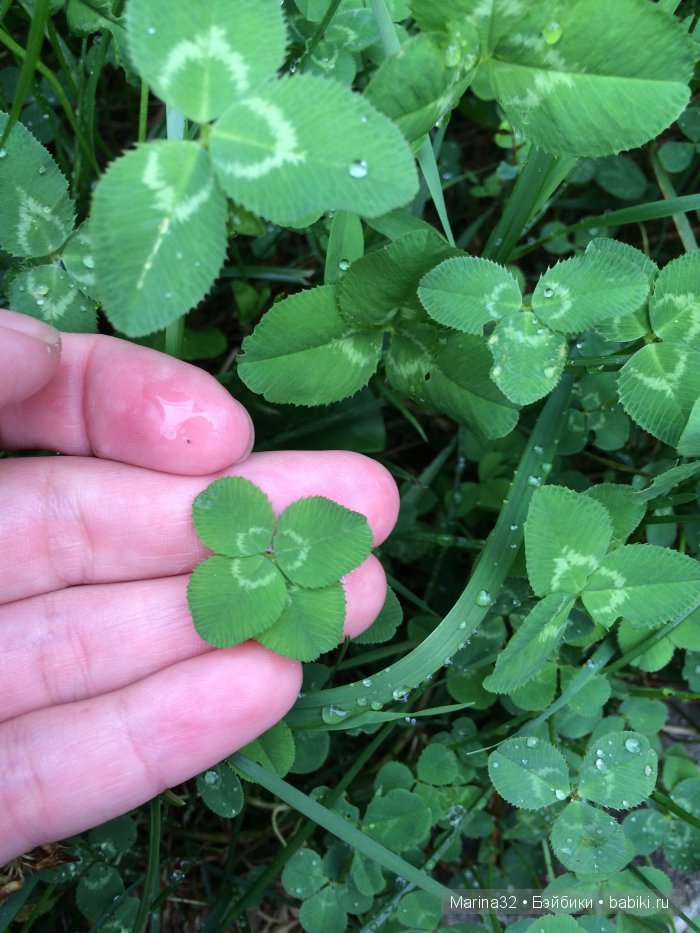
273,579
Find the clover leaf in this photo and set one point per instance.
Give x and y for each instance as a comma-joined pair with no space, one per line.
274,580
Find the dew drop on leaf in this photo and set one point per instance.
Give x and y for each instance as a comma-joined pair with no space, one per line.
212,777
560,794
647,770
358,168
484,598
343,265
400,694
632,745
600,764
548,292
367,682
531,742
534,481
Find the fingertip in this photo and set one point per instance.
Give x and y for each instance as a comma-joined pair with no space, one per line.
365,592
166,414
388,496
379,493
30,351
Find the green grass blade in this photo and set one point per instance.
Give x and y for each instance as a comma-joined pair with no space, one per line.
638,213
298,839
471,607
339,826
387,30
541,175
15,902
428,165
672,807
598,662
680,221
345,244
677,912
57,88
319,33
151,881
426,155
175,331
594,665
655,636
29,65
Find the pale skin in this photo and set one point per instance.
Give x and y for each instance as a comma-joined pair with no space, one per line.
107,694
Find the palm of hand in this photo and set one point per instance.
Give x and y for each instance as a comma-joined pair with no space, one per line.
108,695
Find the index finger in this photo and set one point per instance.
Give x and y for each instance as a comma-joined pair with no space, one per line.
119,401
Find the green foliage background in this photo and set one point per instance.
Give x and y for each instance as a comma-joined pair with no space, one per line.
460,237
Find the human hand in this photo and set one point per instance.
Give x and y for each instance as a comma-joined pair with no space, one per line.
107,694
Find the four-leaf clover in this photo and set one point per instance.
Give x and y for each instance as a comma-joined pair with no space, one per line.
276,580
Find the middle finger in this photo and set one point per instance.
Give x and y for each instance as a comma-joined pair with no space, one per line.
74,520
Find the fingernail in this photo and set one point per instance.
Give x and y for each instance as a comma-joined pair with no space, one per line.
29,326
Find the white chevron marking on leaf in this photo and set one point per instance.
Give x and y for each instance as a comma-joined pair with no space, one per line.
286,142
202,48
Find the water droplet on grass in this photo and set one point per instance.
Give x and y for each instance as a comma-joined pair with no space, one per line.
552,32
534,481
484,598
400,694
344,265
333,714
